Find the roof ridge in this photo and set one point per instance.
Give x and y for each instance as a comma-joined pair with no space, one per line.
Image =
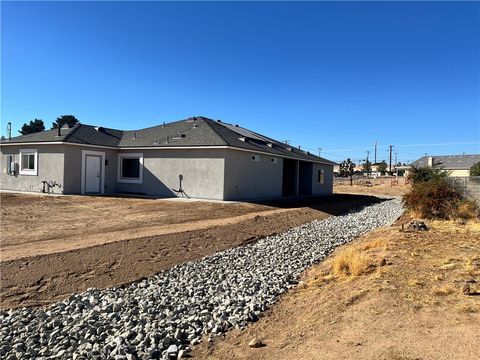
207,121
74,130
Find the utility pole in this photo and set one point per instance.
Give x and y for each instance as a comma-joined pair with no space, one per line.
396,154
390,166
368,165
375,153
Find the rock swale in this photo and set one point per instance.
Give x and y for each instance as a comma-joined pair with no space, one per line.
162,316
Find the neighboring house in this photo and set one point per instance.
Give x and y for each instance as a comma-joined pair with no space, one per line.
456,165
205,158
359,169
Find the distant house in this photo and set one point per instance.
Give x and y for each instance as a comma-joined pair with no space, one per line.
359,168
199,156
456,165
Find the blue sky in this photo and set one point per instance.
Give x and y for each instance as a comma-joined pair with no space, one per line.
339,75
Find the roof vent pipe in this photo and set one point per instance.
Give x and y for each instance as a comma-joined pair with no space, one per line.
58,130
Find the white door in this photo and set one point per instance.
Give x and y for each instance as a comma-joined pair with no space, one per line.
92,173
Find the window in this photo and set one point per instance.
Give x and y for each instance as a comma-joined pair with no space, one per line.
255,157
321,176
28,162
274,160
130,168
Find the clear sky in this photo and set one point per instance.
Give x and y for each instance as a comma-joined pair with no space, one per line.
335,75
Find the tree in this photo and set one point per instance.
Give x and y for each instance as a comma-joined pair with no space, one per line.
70,120
33,126
475,170
382,167
347,168
367,167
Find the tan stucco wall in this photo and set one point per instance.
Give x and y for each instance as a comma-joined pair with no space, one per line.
50,168
73,168
202,171
207,173
248,179
327,187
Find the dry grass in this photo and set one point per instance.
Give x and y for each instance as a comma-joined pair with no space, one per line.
471,226
443,290
375,244
468,209
467,308
351,263
415,282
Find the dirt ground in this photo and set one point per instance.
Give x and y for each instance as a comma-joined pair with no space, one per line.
371,190
36,224
54,246
407,302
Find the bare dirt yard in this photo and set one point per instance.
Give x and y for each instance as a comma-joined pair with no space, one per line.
52,246
383,189
390,295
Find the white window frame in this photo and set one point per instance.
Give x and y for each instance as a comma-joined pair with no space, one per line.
122,156
255,157
33,172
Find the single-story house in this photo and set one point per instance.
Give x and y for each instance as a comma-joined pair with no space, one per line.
456,165
196,157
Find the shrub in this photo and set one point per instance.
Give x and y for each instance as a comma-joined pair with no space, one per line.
433,199
423,174
475,170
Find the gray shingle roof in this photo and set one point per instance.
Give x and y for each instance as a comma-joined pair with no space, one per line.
196,131
449,162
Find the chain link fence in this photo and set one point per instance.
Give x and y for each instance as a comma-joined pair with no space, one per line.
469,187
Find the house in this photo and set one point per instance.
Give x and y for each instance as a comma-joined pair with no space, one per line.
456,165
196,157
359,169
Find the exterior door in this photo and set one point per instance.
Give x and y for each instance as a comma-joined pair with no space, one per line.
93,167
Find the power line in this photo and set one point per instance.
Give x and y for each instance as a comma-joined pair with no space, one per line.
411,145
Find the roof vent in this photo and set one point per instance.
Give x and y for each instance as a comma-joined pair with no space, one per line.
134,136
100,129
242,138
219,120
195,126
269,144
178,136
191,119
163,125
236,125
